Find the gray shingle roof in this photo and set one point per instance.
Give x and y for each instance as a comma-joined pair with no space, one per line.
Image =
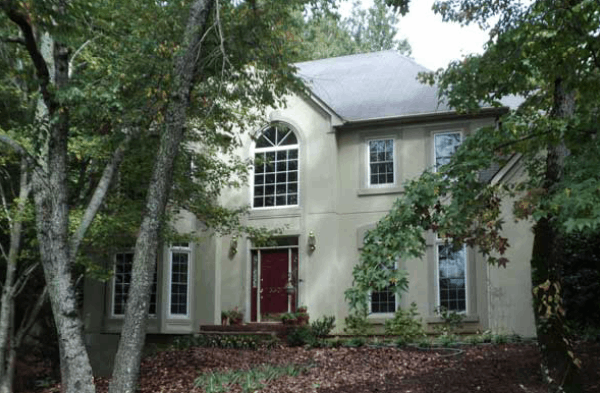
370,86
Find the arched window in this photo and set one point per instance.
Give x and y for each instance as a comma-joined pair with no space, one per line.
276,167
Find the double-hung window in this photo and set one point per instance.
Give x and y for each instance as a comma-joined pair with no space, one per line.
384,300
276,168
381,162
452,276
451,264
121,282
179,283
445,145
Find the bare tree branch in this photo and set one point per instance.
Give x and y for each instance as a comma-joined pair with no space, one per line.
3,252
77,52
13,40
98,196
28,322
16,146
5,205
22,21
22,281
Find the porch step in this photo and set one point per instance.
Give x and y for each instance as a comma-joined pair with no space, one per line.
248,328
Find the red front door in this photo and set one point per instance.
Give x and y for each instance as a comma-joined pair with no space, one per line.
273,277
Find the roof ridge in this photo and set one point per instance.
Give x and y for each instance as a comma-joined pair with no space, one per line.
364,54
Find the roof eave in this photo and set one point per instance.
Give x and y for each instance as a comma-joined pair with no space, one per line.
421,118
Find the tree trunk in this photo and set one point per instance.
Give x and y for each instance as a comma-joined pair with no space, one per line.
548,257
8,291
52,222
133,334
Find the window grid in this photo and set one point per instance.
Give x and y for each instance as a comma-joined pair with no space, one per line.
381,162
179,282
452,278
122,281
276,168
383,301
445,145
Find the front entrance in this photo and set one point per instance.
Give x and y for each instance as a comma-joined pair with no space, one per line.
272,269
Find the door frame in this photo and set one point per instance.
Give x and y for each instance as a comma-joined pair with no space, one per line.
290,248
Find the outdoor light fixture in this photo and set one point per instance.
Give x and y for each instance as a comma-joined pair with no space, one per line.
312,241
233,246
289,288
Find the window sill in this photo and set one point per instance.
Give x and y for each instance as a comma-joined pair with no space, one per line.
178,320
466,319
379,318
379,191
274,212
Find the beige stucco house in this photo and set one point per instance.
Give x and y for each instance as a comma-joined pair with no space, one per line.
328,166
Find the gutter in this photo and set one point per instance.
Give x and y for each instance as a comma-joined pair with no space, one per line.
420,118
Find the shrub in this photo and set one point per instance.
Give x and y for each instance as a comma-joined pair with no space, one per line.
451,320
400,342
405,324
335,342
499,339
424,343
447,340
220,341
299,336
355,342
357,324
323,326
473,340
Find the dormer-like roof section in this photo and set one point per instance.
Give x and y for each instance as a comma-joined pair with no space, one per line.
371,86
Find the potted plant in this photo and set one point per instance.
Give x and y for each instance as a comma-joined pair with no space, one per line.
224,318
302,318
302,309
236,316
288,318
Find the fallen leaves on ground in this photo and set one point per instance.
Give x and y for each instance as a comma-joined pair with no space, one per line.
483,368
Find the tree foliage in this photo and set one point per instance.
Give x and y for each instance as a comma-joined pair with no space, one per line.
327,34
544,52
93,78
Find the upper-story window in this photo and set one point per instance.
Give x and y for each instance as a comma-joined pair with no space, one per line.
276,168
445,145
381,162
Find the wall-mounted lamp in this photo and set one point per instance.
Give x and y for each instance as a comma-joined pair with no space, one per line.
312,241
289,288
233,246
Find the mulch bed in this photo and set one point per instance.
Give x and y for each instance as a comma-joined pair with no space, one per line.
483,368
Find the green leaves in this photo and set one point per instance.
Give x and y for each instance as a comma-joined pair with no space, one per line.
324,35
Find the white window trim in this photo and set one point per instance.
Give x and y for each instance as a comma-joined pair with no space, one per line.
439,241
180,249
368,162
254,150
113,292
433,134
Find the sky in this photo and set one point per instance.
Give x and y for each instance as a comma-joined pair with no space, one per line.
434,43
